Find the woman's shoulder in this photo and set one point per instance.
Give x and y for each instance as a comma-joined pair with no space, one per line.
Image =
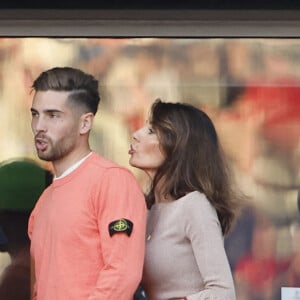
189,201
193,198
193,201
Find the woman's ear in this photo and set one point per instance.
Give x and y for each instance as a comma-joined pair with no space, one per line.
86,122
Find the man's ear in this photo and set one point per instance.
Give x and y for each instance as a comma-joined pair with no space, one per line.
86,122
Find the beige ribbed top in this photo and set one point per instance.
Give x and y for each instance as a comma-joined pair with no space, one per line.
185,255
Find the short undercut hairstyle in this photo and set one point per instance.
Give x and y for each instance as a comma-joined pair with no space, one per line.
83,87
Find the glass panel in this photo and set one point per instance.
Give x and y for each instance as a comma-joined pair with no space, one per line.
249,87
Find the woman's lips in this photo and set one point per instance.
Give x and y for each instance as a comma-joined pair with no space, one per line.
131,150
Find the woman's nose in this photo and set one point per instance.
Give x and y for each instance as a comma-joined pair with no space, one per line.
134,136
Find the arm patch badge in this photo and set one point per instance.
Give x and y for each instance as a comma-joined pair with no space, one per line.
121,225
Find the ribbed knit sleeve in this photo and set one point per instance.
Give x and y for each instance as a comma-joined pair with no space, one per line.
203,230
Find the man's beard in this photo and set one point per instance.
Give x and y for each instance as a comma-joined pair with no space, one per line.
54,152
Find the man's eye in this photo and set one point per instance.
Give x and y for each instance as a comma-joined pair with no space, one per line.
53,115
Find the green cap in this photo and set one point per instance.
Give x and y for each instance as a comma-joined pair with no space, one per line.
21,183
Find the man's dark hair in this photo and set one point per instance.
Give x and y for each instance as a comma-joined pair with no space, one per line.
83,87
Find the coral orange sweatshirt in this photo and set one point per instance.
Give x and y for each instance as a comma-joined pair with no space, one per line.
87,234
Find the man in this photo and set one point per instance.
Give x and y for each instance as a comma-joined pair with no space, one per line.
88,228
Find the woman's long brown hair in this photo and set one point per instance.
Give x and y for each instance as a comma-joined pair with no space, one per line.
194,159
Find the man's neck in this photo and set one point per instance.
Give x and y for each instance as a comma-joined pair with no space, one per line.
64,164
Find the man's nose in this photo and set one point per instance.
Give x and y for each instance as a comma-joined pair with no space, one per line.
38,124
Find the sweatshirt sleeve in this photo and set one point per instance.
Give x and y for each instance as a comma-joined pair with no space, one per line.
121,211
204,231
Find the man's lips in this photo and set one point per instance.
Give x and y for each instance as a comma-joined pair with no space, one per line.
41,144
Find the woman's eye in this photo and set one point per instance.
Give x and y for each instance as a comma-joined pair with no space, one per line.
151,130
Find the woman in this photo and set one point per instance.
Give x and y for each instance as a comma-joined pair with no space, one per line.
191,205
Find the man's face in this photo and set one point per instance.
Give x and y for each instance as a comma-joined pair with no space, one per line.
55,125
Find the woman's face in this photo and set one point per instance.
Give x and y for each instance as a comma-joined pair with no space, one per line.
145,150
